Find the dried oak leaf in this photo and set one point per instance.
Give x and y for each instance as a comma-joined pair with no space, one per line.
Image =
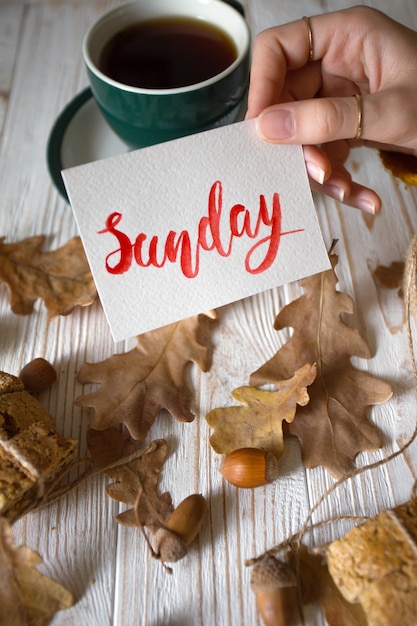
138,477
258,423
61,278
334,427
27,598
137,385
375,565
316,585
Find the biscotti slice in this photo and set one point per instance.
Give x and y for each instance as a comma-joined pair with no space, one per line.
33,456
375,564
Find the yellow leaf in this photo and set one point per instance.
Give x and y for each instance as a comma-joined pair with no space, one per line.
258,422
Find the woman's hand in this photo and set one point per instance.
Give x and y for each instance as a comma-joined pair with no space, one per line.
310,101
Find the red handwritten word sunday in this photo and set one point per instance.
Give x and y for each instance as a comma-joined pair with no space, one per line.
150,251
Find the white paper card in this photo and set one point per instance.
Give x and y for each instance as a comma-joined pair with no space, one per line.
182,227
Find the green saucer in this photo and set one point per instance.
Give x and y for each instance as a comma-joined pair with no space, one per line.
81,135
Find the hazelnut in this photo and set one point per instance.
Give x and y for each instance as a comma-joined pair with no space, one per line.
38,375
250,467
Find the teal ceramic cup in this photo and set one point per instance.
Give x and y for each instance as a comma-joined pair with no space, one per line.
143,116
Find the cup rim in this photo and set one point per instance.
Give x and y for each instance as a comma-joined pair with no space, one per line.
175,90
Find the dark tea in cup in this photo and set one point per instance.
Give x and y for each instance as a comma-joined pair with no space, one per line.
167,52
163,69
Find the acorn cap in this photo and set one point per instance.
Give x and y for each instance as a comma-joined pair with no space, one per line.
272,467
169,547
182,527
270,574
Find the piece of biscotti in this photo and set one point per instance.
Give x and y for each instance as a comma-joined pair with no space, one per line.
375,564
33,456
9,383
18,409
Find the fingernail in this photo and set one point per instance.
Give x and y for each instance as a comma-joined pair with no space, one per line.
335,192
276,124
366,205
315,172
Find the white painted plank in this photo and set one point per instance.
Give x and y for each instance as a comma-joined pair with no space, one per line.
11,17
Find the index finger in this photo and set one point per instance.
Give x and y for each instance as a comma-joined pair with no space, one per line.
275,51
281,49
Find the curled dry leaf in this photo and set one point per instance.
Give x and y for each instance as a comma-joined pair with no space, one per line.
375,565
334,427
258,423
400,164
135,478
61,278
27,598
33,456
137,385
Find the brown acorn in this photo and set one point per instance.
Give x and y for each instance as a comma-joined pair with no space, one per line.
275,587
172,540
38,375
250,467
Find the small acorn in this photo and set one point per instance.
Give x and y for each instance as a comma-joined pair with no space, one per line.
250,467
172,540
38,375
275,587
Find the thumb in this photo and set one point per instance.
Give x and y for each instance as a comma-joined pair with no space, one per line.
309,122
385,117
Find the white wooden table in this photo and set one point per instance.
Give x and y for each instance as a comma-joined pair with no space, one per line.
106,566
